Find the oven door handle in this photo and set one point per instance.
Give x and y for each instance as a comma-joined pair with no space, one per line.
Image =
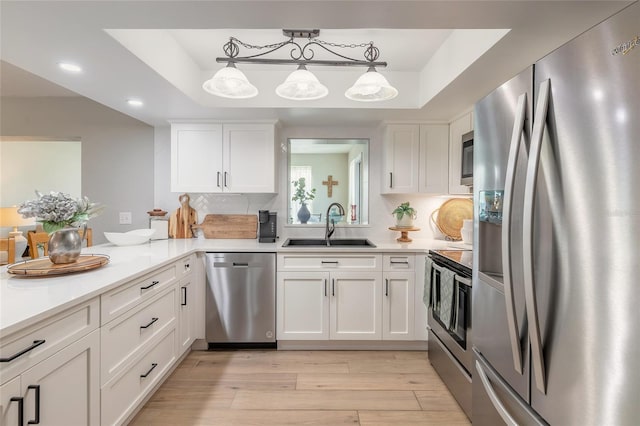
514,149
462,280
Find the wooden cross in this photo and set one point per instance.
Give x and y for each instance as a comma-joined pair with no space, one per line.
329,182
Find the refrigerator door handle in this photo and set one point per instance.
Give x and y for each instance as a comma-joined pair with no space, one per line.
491,393
516,141
527,235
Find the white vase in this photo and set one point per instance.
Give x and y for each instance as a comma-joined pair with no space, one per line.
406,221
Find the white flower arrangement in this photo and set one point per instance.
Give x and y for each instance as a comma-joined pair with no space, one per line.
57,210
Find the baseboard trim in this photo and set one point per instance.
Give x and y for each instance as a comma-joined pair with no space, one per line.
357,345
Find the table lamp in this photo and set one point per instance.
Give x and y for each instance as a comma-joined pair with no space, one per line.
9,217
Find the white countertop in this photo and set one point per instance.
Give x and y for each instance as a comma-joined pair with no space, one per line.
26,300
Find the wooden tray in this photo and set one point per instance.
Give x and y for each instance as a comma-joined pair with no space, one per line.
229,226
44,267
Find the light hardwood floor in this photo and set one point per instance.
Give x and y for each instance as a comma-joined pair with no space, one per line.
303,388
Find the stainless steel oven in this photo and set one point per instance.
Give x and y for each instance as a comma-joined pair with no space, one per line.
466,169
449,321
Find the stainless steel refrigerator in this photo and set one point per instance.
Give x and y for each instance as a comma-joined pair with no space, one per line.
556,293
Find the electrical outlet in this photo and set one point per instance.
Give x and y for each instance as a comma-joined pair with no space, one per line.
125,218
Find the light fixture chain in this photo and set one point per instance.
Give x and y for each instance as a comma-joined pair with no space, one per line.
344,45
255,46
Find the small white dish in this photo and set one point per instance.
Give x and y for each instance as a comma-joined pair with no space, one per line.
131,238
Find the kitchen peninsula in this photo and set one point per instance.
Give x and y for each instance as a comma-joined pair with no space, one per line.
73,328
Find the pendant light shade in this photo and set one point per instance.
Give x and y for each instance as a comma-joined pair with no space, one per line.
230,82
371,87
302,85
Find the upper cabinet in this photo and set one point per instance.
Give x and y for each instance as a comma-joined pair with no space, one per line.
415,158
214,158
458,128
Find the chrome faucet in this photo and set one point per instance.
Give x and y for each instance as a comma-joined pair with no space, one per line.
329,230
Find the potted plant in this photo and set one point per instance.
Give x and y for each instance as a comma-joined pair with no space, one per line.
302,196
405,214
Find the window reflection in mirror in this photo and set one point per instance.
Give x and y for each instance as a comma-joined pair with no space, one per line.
338,171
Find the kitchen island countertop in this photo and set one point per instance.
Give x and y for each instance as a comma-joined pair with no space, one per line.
25,301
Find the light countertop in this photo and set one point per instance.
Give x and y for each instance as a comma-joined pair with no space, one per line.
24,301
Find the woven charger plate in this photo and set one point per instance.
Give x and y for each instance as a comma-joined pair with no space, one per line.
451,214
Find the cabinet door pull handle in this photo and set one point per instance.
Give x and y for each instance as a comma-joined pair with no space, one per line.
225,180
333,262
149,325
187,266
20,401
386,286
154,365
184,296
325,287
35,344
218,179
35,421
150,285
333,286
394,262
390,179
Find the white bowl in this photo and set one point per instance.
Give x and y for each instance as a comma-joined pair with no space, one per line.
137,236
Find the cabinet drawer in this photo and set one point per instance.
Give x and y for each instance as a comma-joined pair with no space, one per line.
369,262
122,338
127,296
55,332
121,395
399,262
186,265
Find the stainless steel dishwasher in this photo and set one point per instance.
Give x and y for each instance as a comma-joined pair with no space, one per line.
241,299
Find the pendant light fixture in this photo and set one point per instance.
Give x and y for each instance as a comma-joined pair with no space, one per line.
371,87
230,82
301,84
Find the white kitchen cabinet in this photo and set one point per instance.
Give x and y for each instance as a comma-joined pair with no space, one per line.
355,307
434,154
188,320
398,302
457,128
415,159
329,297
400,159
64,389
214,158
302,305
11,403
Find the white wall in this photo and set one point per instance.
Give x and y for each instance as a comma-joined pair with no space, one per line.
380,206
117,152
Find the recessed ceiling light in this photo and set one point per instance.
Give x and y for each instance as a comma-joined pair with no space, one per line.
69,67
135,102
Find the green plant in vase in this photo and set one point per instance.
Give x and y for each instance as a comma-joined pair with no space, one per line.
405,214
301,195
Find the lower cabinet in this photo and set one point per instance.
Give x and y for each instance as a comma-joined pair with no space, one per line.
343,300
188,319
122,394
64,389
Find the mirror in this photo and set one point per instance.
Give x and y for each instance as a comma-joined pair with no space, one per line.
328,171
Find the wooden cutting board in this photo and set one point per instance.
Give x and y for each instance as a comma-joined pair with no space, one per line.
234,226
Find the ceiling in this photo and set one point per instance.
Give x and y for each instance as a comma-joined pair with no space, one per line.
442,55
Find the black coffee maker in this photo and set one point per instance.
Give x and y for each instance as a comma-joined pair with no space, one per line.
267,226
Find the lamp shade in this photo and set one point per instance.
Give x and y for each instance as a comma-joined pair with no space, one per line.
371,87
302,85
230,82
9,217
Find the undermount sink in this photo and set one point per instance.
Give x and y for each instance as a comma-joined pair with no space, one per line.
321,242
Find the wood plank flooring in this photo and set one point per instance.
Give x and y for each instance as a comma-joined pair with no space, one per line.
303,388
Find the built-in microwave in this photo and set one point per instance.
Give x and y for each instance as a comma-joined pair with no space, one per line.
466,171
